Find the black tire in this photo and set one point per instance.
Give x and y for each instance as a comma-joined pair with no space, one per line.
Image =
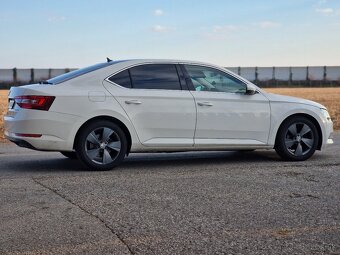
297,139
69,154
98,151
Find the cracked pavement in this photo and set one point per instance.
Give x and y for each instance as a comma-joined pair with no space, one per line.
178,203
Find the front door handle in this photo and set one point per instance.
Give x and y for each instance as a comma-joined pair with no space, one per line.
205,104
133,102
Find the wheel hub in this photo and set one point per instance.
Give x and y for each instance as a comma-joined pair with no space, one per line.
103,145
298,138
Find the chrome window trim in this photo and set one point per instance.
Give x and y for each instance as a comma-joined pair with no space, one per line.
224,70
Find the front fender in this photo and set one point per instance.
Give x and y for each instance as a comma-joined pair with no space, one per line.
281,111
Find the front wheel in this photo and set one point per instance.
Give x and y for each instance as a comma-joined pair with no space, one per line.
297,139
101,145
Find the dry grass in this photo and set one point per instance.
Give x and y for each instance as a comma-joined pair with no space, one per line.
330,97
3,109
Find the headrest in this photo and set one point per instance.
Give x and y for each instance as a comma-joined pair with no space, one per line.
196,74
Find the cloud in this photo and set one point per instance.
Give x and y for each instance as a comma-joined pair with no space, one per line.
158,12
219,32
267,24
161,29
224,29
325,11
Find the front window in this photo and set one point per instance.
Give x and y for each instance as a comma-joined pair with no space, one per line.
210,79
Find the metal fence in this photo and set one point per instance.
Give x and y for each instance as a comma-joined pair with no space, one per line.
262,76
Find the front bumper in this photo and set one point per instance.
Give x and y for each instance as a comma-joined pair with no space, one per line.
327,138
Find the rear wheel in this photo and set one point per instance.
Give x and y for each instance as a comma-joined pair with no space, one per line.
101,145
69,154
297,139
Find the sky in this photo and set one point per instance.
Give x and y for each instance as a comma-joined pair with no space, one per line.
78,33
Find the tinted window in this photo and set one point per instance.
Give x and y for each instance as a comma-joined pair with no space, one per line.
155,77
210,79
122,79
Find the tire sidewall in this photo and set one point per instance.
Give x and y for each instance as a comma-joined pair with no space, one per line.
280,146
80,145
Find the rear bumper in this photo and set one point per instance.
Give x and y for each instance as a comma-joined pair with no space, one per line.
20,142
55,129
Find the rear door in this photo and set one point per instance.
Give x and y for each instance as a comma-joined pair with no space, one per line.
157,102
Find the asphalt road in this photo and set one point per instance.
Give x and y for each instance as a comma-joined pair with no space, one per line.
180,203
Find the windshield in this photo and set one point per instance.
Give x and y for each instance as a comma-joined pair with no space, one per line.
81,71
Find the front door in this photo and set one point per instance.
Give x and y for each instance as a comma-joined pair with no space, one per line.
226,115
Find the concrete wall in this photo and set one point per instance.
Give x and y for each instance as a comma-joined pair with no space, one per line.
23,76
263,76
314,73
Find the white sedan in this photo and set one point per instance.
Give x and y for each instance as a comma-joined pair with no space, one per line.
101,113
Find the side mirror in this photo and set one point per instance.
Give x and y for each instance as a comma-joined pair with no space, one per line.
251,90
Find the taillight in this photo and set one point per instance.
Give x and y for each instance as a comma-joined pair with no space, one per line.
35,102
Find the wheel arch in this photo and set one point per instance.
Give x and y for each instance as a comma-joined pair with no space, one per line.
309,117
109,118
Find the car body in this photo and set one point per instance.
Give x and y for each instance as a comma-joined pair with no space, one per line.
161,106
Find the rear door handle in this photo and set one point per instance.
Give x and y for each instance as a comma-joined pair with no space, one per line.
133,102
205,104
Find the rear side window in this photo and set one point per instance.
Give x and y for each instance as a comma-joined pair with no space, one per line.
153,76
79,72
122,79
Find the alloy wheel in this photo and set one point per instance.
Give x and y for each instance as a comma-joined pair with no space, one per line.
102,145
299,139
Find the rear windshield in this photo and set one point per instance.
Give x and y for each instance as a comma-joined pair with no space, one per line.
81,71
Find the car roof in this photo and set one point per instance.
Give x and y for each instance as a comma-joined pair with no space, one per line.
165,61
106,69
